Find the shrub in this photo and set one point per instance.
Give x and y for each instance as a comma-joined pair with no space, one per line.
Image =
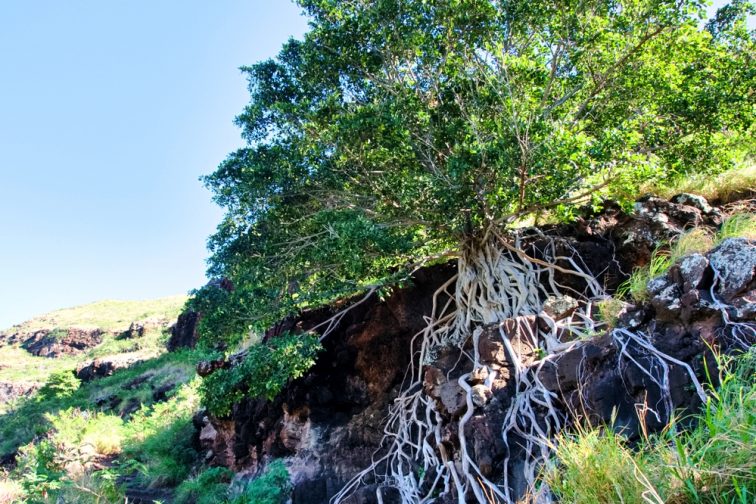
60,384
272,487
207,487
38,469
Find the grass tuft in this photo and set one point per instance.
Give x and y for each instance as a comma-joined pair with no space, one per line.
742,225
724,188
609,310
714,462
695,241
636,287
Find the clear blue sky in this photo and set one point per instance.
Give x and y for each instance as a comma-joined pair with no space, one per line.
109,113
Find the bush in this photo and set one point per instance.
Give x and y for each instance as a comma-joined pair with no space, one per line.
272,487
38,469
208,487
60,385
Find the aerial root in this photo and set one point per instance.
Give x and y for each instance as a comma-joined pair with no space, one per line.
496,281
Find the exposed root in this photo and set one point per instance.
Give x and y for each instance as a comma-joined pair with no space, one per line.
497,281
743,334
658,371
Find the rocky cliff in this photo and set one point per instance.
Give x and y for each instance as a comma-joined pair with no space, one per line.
329,425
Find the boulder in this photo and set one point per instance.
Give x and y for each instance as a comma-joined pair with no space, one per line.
184,332
106,366
734,265
54,343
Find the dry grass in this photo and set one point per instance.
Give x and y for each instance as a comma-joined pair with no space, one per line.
10,491
108,315
723,188
697,240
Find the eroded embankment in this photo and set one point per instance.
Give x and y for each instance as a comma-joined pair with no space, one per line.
487,406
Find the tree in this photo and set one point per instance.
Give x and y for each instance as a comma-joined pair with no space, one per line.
400,132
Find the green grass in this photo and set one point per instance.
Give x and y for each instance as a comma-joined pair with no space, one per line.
159,439
60,432
210,486
95,432
636,286
714,462
598,467
113,317
19,366
272,487
697,240
742,225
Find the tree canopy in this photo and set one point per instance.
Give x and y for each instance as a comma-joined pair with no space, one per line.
396,130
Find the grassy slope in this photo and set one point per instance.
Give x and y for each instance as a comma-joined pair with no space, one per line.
74,440
18,366
107,315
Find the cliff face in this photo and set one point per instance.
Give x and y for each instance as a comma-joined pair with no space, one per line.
329,425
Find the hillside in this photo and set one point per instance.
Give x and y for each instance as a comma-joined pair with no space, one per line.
107,315
124,331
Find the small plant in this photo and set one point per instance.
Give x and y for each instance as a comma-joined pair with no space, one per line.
60,385
738,226
207,487
95,487
636,286
38,469
609,310
272,487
